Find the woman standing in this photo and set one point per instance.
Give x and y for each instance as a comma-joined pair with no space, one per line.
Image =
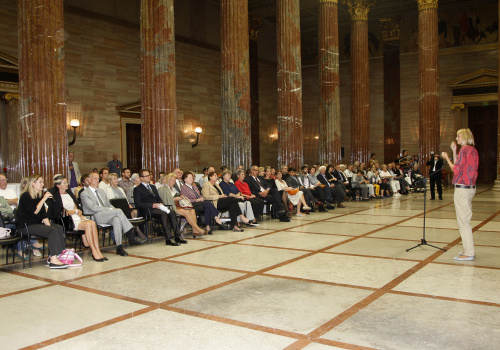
464,180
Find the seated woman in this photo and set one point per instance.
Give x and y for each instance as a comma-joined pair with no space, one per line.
170,196
268,176
359,185
32,212
374,179
211,191
64,199
161,181
296,199
200,205
242,186
231,190
385,178
386,175
418,180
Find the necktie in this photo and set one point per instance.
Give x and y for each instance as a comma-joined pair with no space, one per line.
260,184
99,198
149,188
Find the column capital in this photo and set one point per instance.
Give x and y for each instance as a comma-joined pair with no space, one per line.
427,5
328,1
458,106
11,96
390,28
254,24
358,9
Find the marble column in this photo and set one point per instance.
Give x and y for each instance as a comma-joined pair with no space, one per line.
496,186
254,25
235,92
360,83
328,61
392,102
158,106
428,57
290,149
42,88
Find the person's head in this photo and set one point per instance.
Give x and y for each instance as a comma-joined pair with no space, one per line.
312,171
398,156
376,172
372,156
212,177
279,175
254,170
240,167
226,175
170,179
3,181
145,176
329,168
337,167
104,173
136,179
360,173
161,173
205,171
94,180
71,156
268,172
35,186
261,171
373,168
178,173
284,170
273,171
61,183
188,177
304,169
389,166
342,167
465,137
113,179
436,156
210,169
115,157
405,153
384,167
361,166
24,183
84,180
126,173
94,170
292,171
322,169
241,175
163,179
350,167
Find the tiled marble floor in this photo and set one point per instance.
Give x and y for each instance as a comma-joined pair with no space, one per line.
337,280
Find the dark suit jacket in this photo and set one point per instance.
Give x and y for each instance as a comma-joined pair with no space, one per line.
254,186
144,199
340,176
322,179
439,165
292,181
56,205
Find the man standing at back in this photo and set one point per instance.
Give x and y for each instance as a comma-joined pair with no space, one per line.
73,172
115,166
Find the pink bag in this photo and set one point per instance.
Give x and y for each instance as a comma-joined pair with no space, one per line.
68,257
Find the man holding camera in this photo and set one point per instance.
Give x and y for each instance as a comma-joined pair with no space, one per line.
436,164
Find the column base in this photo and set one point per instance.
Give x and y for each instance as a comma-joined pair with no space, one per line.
496,186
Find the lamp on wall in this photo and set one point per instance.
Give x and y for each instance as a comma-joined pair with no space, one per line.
198,131
75,123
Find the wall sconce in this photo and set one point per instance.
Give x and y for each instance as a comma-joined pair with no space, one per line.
316,137
75,123
198,131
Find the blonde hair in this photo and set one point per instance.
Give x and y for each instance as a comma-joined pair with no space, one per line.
467,137
169,176
112,175
24,183
29,187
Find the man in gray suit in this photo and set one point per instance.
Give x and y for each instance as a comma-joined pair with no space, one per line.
95,201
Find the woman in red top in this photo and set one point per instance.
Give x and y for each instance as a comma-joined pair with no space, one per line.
464,181
242,186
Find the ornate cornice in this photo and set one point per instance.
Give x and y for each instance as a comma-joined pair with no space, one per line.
458,106
328,1
254,24
390,28
358,9
427,5
8,86
11,96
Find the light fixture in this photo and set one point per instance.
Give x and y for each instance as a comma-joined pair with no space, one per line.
316,137
75,123
198,131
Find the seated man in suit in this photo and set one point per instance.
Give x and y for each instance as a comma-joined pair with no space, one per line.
259,187
178,182
95,202
147,197
342,180
337,193
293,182
316,190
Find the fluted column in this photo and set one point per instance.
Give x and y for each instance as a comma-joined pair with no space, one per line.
392,102
42,88
159,106
429,78
360,83
291,147
329,109
235,68
254,25
496,187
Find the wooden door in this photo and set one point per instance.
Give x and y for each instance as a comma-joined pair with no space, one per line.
134,147
483,122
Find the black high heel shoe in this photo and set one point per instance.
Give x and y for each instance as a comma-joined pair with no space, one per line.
100,260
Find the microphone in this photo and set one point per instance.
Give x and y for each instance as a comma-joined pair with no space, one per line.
45,191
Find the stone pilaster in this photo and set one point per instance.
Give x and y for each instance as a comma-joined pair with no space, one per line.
254,24
328,61
291,147
429,78
42,88
360,83
496,187
392,95
159,106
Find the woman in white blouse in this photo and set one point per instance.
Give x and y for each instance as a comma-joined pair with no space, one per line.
296,199
385,174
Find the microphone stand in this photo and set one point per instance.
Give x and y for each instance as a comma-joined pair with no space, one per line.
423,241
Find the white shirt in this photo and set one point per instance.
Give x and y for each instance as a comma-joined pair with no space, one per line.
103,186
262,189
9,193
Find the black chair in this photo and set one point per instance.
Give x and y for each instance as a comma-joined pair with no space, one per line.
9,242
101,228
122,204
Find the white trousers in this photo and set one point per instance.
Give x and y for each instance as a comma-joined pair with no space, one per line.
463,208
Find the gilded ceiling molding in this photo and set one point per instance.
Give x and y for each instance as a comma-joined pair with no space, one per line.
358,9
427,5
254,24
390,28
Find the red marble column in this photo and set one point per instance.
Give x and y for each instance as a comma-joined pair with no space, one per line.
290,150
392,95
159,106
496,187
42,88
235,92
428,56
328,60
360,84
254,25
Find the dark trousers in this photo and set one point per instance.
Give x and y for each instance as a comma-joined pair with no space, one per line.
231,205
436,181
207,209
318,193
54,234
167,221
274,198
257,206
338,194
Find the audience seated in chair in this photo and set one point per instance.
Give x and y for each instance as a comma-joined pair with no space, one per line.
230,190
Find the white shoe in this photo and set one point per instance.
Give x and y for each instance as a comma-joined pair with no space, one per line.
306,208
37,253
464,258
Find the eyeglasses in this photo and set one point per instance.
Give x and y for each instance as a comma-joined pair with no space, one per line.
146,176
2,180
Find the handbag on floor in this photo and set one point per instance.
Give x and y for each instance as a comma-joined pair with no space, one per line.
4,232
68,256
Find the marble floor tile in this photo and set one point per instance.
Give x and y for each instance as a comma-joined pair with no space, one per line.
396,322
433,222
161,329
386,248
487,238
485,256
368,219
290,305
159,250
317,346
352,270
240,257
231,236
53,311
297,240
390,211
416,234
10,283
462,282
341,228
491,226
442,214
171,281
